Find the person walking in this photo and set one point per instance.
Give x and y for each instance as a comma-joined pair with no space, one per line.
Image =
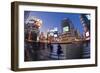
59,51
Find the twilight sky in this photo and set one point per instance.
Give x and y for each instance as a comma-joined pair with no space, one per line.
53,19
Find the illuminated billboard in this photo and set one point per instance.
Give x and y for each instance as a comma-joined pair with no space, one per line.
65,29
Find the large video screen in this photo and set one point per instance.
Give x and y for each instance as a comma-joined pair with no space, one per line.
65,29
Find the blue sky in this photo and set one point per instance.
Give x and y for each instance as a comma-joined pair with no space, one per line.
53,19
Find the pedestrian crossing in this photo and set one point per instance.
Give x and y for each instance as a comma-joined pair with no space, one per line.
55,56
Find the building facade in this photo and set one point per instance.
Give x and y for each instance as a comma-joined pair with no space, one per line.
85,21
69,33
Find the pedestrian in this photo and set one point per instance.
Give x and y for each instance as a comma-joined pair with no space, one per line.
59,51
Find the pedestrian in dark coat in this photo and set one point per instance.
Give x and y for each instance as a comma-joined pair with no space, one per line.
59,51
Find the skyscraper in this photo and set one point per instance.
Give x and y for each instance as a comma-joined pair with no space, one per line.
66,25
26,15
69,33
85,21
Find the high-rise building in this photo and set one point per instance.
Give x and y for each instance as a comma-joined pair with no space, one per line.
69,33
85,20
26,15
66,25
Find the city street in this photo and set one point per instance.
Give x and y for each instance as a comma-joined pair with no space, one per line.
44,54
